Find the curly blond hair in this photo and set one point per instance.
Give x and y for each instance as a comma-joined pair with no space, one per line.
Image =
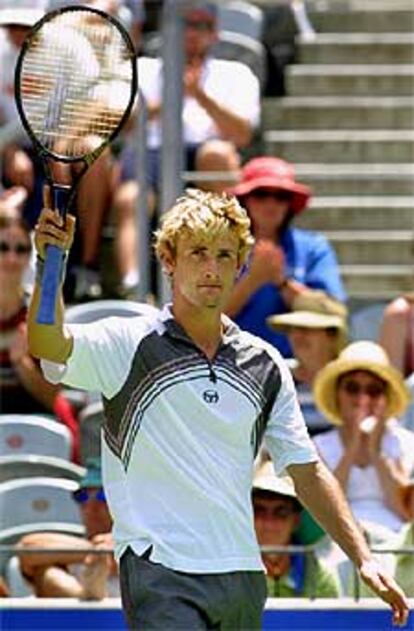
205,214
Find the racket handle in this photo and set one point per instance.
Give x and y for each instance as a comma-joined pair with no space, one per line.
49,288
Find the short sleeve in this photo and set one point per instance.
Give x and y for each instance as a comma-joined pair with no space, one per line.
101,357
286,436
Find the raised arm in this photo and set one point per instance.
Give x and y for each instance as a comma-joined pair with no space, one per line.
50,341
321,493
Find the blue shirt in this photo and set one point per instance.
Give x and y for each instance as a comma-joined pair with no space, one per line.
310,260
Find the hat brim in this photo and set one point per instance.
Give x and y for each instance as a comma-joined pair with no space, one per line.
274,485
305,319
325,387
20,17
301,193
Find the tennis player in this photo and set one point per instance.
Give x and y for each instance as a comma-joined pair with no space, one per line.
188,398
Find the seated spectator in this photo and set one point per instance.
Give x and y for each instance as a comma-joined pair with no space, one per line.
370,454
397,333
79,573
316,329
23,389
276,518
285,260
210,109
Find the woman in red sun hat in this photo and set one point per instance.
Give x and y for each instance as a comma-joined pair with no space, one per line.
285,260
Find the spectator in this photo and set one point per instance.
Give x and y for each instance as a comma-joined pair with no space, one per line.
79,573
24,390
316,329
285,260
277,513
370,454
397,333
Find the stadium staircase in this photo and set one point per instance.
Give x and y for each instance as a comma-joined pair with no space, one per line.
347,124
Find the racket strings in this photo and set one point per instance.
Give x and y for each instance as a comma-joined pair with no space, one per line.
76,82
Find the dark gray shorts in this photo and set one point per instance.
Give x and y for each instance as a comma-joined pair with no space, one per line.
156,597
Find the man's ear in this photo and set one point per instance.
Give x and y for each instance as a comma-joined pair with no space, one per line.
168,263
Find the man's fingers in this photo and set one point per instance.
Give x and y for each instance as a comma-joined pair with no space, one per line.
47,196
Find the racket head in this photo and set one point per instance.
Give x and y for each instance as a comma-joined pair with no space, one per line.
75,82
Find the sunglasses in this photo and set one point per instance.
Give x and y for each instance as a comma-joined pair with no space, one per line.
81,496
17,248
279,196
278,512
373,390
200,25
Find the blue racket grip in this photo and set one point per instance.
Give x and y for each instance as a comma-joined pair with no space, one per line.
50,284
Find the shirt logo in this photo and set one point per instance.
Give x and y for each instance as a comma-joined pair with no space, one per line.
211,396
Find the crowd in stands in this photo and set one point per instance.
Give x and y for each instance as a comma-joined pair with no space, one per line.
290,293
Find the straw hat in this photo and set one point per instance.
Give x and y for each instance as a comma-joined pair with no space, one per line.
272,173
311,309
265,479
363,355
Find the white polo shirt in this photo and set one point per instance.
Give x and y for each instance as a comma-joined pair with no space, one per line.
230,83
181,435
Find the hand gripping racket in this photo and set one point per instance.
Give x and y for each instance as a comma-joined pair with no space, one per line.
75,85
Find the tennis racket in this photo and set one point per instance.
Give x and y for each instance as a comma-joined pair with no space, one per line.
75,85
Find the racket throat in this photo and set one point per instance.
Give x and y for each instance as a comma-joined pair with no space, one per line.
62,197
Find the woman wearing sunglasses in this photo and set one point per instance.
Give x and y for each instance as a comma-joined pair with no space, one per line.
23,389
285,260
372,456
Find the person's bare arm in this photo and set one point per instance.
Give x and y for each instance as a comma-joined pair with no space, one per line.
232,126
50,341
30,562
393,331
28,371
267,266
55,582
321,494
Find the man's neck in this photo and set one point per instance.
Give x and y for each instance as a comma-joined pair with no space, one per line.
204,327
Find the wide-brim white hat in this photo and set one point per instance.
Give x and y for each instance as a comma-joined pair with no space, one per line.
265,479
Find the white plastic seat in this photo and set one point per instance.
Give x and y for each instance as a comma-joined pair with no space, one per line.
45,500
33,434
98,309
365,322
244,18
28,466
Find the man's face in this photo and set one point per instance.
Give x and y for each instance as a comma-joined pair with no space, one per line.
360,394
275,519
204,270
199,33
308,343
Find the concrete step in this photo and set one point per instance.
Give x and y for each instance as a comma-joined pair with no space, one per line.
375,282
341,146
373,247
338,112
345,79
359,213
367,48
328,19
362,180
